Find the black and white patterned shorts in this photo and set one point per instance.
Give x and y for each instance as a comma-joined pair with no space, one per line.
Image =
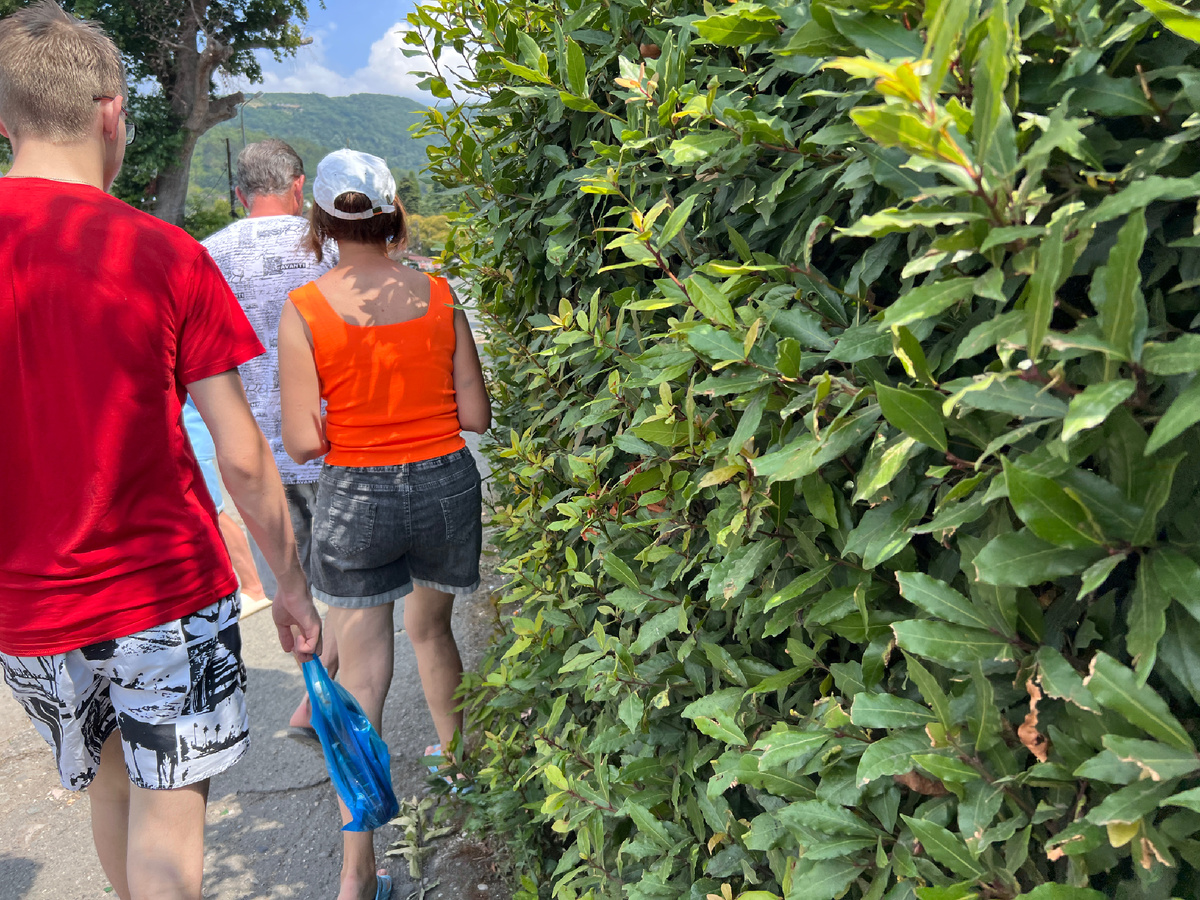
175,691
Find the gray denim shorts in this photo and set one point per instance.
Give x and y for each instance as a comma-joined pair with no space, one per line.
378,530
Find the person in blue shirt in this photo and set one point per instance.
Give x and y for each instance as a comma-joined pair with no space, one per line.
253,596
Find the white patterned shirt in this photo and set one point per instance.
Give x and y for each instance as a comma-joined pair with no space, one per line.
263,259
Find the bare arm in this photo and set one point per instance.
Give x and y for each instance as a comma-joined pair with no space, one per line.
299,389
470,391
248,469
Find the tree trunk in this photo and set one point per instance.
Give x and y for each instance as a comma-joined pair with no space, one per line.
170,203
187,89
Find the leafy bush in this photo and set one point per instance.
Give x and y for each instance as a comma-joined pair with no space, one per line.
849,470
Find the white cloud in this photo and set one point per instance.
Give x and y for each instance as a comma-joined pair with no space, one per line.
388,70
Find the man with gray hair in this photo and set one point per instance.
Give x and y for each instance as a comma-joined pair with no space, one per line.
264,257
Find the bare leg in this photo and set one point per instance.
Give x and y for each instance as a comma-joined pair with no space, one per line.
427,621
239,555
365,644
108,795
166,842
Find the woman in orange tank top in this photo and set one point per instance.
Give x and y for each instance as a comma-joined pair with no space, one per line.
398,509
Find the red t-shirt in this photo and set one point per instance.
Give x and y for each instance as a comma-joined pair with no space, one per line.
106,313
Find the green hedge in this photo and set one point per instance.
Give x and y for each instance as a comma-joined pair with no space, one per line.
847,465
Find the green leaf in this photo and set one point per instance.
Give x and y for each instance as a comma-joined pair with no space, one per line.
576,69
749,25
630,712
715,714
826,879
944,847
1118,688
1184,23
619,569
891,756
1122,311
655,629
1099,92
946,768
525,72
1179,357
736,569
822,816
991,77
1178,575
928,300
987,334
710,300
1188,799
913,414
798,586
1097,573
883,532
784,747
1146,620
648,824
1049,511
714,343
1129,804
1060,680
871,710
946,643
887,38
1039,304
940,600
930,690
1009,395
804,326
677,219
805,455
1062,892
695,148
879,224
1183,413
884,462
1158,761
1092,406
892,127
1022,558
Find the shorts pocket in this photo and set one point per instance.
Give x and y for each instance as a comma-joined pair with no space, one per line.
348,524
462,513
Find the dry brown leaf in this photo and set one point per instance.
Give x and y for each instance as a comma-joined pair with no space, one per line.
1035,742
915,781
1149,854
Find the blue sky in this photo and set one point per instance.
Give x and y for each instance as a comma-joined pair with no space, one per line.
355,49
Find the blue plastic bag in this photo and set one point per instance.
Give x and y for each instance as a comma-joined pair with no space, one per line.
355,755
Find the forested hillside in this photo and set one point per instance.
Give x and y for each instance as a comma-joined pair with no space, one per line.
314,124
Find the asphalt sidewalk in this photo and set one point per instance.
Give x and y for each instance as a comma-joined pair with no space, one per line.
273,824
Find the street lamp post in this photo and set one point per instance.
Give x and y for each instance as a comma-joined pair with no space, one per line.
242,115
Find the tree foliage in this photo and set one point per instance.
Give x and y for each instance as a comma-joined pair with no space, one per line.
846,367
181,45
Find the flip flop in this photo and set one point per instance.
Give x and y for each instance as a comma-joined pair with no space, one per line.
250,606
383,887
305,734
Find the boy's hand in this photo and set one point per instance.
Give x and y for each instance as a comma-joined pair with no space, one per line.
297,622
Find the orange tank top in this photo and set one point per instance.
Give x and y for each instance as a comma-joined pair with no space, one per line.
388,389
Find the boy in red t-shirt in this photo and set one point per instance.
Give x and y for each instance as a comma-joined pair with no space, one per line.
118,605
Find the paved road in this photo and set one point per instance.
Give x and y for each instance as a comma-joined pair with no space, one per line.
272,819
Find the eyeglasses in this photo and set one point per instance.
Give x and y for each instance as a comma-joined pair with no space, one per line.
130,124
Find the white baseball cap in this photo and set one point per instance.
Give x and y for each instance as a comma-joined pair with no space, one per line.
351,171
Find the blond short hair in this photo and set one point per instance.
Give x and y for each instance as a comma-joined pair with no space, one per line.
52,65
